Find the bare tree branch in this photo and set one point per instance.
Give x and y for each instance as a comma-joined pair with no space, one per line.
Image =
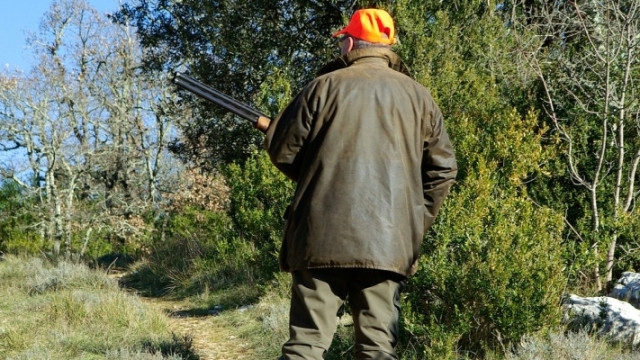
87,119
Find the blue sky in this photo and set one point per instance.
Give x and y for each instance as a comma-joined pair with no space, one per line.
18,17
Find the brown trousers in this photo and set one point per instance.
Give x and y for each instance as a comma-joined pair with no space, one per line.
316,298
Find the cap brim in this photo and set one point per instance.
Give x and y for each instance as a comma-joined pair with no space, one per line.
340,32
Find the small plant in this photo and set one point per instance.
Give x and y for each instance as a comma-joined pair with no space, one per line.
567,345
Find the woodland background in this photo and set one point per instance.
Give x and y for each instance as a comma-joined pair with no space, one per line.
102,158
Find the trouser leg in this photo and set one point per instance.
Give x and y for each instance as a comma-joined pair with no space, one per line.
375,306
312,323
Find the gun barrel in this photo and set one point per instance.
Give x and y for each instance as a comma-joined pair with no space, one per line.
260,120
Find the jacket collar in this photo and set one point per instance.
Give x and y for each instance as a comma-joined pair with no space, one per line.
346,60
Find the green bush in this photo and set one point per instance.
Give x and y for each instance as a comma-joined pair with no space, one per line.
486,281
259,196
198,251
16,236
492,269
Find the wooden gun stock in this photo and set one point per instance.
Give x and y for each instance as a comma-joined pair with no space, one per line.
260,121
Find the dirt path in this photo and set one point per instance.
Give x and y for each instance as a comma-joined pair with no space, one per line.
212,339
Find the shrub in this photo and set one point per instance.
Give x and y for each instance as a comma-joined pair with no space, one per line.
197,251
16,236
259,196
487,281
219,235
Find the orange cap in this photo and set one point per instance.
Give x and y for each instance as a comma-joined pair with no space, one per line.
370,25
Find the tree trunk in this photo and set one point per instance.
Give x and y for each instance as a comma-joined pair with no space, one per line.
596,228
87,235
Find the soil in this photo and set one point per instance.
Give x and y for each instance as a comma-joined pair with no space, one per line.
212,339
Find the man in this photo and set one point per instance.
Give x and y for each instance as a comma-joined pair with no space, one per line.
367,147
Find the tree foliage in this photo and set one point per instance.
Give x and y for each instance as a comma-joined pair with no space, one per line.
479,261
235,46
16,231
585,57
539,98
87,130
491,270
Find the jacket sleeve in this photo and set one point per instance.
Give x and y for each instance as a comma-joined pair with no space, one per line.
287,134
439,168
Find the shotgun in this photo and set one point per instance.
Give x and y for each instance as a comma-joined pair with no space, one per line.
260,121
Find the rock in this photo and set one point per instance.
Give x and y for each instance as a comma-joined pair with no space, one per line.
612,318
244,308
628,289
216,310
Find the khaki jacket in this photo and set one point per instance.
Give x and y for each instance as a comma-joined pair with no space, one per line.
367,147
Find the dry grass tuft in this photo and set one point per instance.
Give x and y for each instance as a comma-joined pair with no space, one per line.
67,311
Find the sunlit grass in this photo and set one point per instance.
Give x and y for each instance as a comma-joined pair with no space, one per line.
567,345
265,327
68,311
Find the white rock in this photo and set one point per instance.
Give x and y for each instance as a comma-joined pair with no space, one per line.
612,318
628,289
244,308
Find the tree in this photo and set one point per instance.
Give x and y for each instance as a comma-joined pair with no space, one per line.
235,46
492,265
585,56
92,127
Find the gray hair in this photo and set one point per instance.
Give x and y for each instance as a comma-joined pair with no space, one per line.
357,44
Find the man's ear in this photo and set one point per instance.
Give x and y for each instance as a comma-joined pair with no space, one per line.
350,43
346,45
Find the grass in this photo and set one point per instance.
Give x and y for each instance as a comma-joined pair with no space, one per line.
68,311
265,328
566,345
266,325
263,325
